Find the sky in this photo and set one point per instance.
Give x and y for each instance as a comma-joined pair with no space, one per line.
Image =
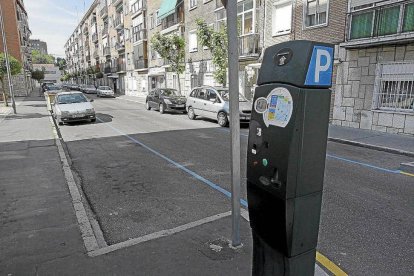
53,21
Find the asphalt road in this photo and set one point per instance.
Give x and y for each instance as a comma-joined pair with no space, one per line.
128,163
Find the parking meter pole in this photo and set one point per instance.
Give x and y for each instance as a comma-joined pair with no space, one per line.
233,56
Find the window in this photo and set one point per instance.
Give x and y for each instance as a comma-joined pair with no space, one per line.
151,21
157,19
316,12
394,89
192,4
382,21
281,17
408,20
245,17
192,41
221,19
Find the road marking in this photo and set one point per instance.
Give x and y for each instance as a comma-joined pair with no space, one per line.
328,264
157,235
176,164
244,213
406,173
85,226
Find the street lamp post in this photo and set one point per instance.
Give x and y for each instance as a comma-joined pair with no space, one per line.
6,54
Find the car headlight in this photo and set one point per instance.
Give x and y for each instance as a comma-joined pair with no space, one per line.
167,101
90,110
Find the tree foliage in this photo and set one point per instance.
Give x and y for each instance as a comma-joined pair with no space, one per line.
15,68
39,58
61,63
172,49
38,75
216,41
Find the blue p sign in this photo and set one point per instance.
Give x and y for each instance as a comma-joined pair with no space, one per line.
320,67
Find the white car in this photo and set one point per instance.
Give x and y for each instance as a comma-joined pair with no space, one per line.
104,91
72,107
89,89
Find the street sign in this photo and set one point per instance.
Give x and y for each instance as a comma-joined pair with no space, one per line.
320,67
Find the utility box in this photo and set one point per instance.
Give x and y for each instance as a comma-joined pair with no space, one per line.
286,155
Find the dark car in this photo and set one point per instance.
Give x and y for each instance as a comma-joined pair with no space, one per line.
165,99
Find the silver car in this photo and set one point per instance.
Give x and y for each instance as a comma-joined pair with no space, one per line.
213,102
104,91
72,107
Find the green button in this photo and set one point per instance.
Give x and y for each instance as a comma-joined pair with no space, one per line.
265,162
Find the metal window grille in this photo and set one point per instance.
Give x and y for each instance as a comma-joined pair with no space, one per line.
394,87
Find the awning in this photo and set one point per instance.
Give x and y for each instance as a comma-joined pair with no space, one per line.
167,8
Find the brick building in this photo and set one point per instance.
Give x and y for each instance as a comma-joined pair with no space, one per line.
376,74
17,32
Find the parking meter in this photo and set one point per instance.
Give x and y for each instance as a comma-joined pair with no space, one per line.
286,156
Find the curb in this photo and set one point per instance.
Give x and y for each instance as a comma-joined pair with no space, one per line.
370,146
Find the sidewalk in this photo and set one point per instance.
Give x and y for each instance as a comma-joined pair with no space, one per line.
394,143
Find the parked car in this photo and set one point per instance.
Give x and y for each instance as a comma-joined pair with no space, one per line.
82,87
165,99
45,86
52,88
104,91
72,107
89,89
213,102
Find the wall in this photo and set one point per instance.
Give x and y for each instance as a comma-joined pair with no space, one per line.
355,88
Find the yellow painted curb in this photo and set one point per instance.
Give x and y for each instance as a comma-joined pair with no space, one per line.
329,265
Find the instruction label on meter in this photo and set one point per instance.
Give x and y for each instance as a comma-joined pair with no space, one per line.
277,108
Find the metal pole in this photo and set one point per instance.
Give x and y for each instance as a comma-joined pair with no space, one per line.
233,53
6,54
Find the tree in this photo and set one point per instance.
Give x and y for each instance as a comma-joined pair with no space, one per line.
171,48
61,63
39,58
15,68
216,41
38,75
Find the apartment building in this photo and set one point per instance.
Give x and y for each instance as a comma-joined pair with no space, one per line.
376,75
166,17
17,31
111,39
38,45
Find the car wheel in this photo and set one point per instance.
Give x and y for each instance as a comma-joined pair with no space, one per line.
191,115
97,95
162,108
222,119
147,106
93,120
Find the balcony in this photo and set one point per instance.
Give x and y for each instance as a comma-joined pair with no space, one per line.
85,29
172,20
96,53
141,64
94,37
121,67
138,7
106,51
116,2
105,31
88,58
104,12
378,23
139,34
249,46
120,46
119,22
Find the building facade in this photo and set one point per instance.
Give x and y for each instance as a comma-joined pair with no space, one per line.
38,45
376,75
17,31
52,72
374,49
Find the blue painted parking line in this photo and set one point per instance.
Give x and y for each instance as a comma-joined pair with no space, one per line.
178,165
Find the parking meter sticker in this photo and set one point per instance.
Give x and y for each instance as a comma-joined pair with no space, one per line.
279,108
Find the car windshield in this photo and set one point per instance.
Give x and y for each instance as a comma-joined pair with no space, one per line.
71,98
169,92
53,87
104,88
224,93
